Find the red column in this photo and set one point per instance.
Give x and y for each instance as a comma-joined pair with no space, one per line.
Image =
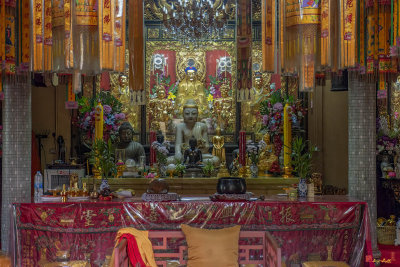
242,148
152,152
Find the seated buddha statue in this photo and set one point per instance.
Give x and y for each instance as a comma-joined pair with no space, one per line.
133,150
160,107
192,156
267,156
191,127
222,107
191,88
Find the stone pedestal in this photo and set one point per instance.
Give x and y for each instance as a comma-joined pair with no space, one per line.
17,138
362,145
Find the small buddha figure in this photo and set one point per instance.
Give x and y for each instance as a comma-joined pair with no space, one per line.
192,155
191,88
133,150
218,145
191,127
222,107
160,107
267,155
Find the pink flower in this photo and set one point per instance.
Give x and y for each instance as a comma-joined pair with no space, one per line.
265,119
396,115
150,175
107,109
120,116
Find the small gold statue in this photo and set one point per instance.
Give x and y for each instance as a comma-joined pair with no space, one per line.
219,151
160,107
64,194
267,156
223,106
85,191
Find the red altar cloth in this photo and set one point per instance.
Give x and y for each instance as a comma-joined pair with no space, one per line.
87,229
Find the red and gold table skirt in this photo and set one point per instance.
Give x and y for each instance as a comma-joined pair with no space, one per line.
87,230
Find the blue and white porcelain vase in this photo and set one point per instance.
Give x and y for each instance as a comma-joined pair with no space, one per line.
254,170
302,188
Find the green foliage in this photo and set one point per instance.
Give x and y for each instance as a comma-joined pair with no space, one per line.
208,168
302,157
180,168
102,156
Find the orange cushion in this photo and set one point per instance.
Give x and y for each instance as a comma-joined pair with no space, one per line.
212,248
325,264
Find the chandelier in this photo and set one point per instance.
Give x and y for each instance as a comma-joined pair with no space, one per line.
194,21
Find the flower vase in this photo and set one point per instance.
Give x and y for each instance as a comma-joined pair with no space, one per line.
162,170
302,188
254,170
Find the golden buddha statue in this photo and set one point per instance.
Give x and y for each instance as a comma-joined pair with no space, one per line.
267,156
160,107
191,88
223,106
189,128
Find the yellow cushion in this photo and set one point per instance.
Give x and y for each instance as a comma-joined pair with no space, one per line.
325,264
212,248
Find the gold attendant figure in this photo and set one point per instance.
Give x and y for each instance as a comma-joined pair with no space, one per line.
267,156
223,107
161,108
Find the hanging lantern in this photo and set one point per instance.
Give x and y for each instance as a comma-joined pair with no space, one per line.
119,35
86,36
301,20
24,36
48,40
348,22
62,52
269,36
327,35
106,31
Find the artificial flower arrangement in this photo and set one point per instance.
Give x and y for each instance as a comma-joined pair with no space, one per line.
170,87
113,115
271,111
161,150
387,141
252,150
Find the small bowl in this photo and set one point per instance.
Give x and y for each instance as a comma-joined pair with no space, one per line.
231,185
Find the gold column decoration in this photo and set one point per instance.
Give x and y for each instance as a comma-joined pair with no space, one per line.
287,141
136,52
269,35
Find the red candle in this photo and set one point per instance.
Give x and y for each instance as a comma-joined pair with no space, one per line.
153,158
242,148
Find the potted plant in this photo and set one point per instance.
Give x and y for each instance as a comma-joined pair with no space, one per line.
102,158
208,169
302,162
180,169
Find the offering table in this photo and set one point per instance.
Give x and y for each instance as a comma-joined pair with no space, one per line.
198,186
303,229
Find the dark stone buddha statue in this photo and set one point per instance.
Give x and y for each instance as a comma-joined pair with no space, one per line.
193,155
